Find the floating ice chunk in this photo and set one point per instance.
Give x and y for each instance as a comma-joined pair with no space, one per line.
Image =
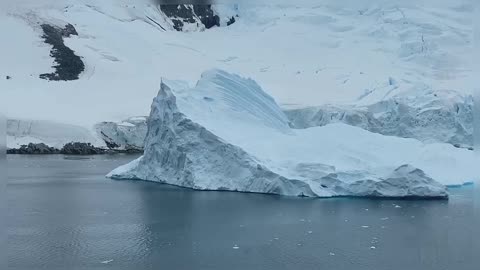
240,140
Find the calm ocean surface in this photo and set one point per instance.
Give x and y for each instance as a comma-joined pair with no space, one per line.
64,214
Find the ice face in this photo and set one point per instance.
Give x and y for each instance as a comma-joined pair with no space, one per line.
125,135
226,133
436,116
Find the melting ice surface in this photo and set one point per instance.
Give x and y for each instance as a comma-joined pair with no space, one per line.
226,133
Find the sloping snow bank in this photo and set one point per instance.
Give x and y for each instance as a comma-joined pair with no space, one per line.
226,133
436,116
22,132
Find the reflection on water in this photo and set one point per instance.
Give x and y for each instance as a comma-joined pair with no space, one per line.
63,214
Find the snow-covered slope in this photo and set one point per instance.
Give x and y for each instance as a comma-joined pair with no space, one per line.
22,132
226,133
304,54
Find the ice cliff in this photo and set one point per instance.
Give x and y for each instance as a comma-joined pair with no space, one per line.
127,135
226,133
435,116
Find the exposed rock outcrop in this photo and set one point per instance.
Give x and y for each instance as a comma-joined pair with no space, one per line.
182,15
79,148
68,66
34,149
188,17
73,148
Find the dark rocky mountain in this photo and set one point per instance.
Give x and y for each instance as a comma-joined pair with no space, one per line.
182,14
68,66
199,14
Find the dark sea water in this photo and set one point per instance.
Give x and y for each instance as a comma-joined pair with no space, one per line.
64,214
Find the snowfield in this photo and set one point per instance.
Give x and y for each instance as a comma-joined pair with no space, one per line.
22,132
308,54
226,133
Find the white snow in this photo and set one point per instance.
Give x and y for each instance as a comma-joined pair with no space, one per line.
22,132
304,54
226,133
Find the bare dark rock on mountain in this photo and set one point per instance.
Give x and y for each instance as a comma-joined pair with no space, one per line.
68,65
69,30
206,15
231,21
190,14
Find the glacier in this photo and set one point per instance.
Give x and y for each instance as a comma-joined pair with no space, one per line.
54,134
387,48
127,135
226,133
433,116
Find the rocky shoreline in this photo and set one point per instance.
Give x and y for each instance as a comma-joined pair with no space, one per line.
73,148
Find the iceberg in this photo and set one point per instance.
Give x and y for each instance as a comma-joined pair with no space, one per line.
226,133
